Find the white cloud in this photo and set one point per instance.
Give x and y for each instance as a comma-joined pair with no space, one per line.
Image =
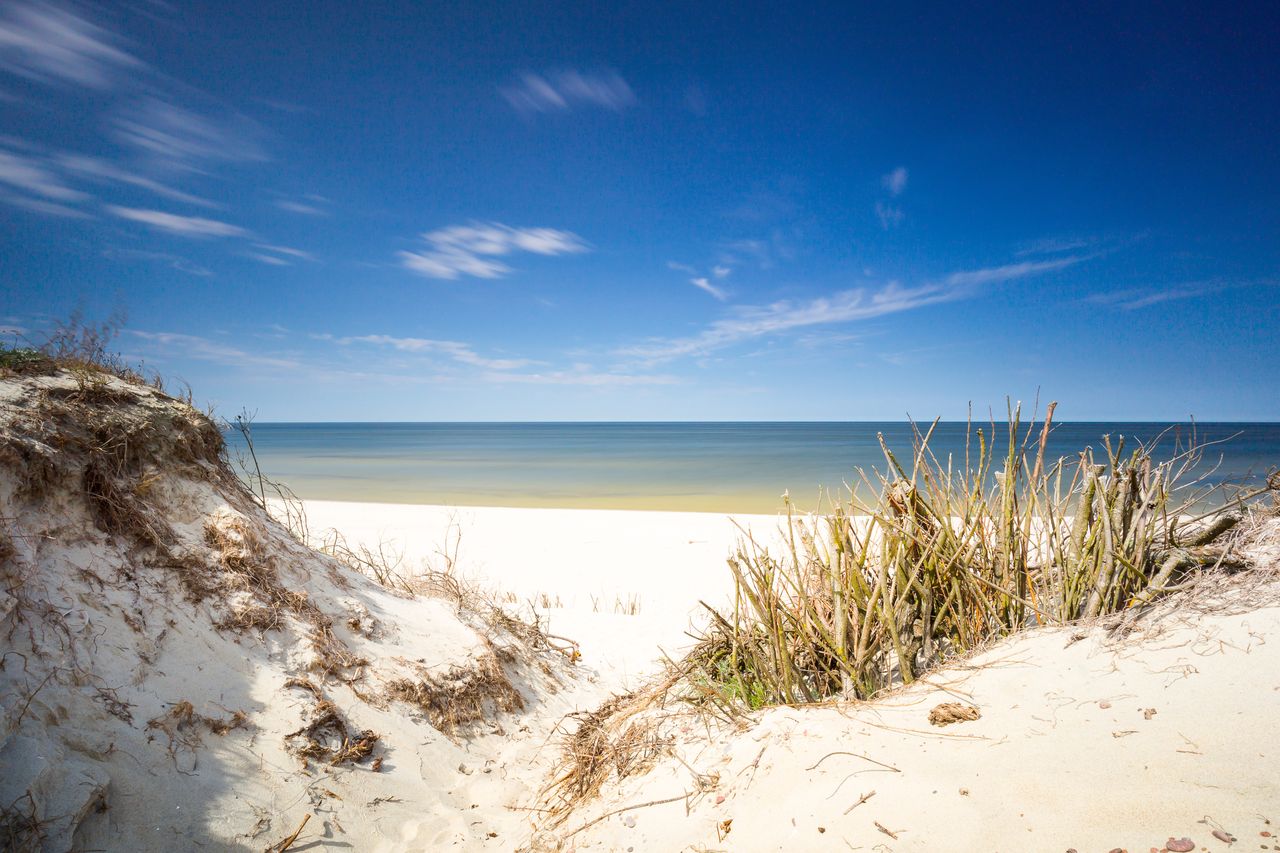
48,208
765,253
896,181
455,350
31,176
721,272
173,261
94,167
1132,300
203,349
703,284
537,93
179,136
889,215
270,260
679,267
1008,272
186,226
48,43
471,250
1056,245
287,251
750,322
299,207
581,375
758,321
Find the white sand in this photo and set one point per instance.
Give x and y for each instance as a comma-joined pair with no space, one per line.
583,570
1084,741
1064,755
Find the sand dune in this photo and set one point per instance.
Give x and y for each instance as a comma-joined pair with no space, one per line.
181,672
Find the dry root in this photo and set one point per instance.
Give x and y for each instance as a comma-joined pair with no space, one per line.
183,725
953,712
618,739
328,738
462,697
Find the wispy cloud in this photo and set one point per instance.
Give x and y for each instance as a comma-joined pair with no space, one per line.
1134,299
33,177
1056,245
178,136
751,322
765,253
269,260
581,375
702,283
301,208
455,350
565,90
281,256
184,226
203,349
896,181
47,208
176,262
1009,272
52,44
747,323
889,215
472,250
94,167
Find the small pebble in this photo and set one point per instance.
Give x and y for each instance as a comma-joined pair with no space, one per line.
1223,835
1180,845
629,821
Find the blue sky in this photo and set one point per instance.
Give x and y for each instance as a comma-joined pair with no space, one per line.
339,211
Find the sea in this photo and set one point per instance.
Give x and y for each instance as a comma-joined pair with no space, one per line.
697,467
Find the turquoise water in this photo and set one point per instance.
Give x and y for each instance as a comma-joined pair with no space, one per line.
714,467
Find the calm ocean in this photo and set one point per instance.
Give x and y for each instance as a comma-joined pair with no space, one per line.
713,467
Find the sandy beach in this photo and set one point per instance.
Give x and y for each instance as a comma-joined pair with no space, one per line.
1079,727
185,672
524,428
624,584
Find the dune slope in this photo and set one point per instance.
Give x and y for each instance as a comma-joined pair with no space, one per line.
180,673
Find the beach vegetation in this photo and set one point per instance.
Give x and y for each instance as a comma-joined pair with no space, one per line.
926,562
932,558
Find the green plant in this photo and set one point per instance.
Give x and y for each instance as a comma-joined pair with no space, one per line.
932,559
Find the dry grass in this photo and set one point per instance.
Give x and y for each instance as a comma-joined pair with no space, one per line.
184,726
939,562
940,559
248,568
462,697
328,738
84,349
616,740
21,829
384,565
